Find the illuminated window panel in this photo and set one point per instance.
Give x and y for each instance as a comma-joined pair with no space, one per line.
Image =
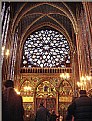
46,48
45,89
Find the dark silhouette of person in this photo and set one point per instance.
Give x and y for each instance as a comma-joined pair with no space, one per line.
42,113
80,108
53,116
12,106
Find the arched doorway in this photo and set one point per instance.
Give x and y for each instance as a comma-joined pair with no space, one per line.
46,93
26,91
65,97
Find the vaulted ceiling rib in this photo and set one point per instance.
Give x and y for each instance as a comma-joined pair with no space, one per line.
32,14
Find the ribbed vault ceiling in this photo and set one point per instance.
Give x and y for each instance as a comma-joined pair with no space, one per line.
30,16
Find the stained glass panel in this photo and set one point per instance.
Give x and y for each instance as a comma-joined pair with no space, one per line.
46,48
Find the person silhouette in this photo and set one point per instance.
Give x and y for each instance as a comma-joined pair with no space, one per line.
42,113
53,116
80,109
12,105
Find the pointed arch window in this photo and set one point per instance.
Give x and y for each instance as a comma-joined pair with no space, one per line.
46,48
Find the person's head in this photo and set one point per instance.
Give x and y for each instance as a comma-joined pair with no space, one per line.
83,92
41,104
9,83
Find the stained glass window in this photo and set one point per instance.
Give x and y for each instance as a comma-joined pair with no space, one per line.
46,48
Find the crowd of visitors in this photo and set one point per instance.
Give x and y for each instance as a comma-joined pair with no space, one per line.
80,108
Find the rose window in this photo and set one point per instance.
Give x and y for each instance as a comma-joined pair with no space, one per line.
46,48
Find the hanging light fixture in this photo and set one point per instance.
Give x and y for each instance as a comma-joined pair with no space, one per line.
64,75
7,52
85,82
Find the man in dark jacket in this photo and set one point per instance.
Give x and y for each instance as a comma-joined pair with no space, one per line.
42,113
81,108
12,107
